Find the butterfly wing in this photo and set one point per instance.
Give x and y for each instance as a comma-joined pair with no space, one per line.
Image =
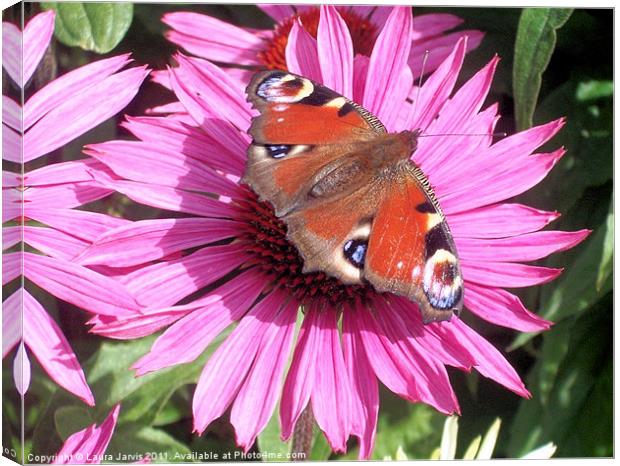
411,252
302,129
296,110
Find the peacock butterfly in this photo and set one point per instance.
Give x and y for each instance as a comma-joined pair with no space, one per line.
355,206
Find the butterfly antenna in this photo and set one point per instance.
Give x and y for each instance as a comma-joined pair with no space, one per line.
499,134
417,95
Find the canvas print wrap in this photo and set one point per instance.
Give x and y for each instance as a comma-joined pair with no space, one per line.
306,232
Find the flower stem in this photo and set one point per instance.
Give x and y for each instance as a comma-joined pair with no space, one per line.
303,435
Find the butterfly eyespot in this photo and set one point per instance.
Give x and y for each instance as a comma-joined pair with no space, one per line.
284,88
278,151
442,283
355,252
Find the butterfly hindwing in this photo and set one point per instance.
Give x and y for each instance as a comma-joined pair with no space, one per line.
411,252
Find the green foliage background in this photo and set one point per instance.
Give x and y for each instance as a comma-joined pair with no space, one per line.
555,62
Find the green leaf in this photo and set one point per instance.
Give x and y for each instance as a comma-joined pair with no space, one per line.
607,255
321,451
536,38
112,381
577,413
98,27
577,288
415,427
269,440
593,90
131,443
71,419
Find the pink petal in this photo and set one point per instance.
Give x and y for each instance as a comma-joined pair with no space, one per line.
12,51
63,195
62,173
193,142
161,77
212,38
526,247
506,274
202,113
11,145
499,158
187,338
259,393
392,114
168,198
331,390
335,51
388,364
498,221
53,242
227,368
82,112
70,85
200,84
11,321
80,223
147,240
21,370
91,442
149,162
130,327
11,180
48,344
437,89
489,362
387,62
432,337
433,24
278,12
11,236
360,71
476,137
518,179
11,113
455,114
11,266
37,35
300,377
439,48
502,308
165,283
364,390
431,378
302,53
78,285
377,15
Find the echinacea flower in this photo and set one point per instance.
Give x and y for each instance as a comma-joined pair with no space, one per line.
88,446
225,43
224,243
53,116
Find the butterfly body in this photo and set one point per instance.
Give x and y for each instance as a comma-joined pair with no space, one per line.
356,207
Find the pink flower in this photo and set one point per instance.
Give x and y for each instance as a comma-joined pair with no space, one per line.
213,39
53,116
226,244
88,446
